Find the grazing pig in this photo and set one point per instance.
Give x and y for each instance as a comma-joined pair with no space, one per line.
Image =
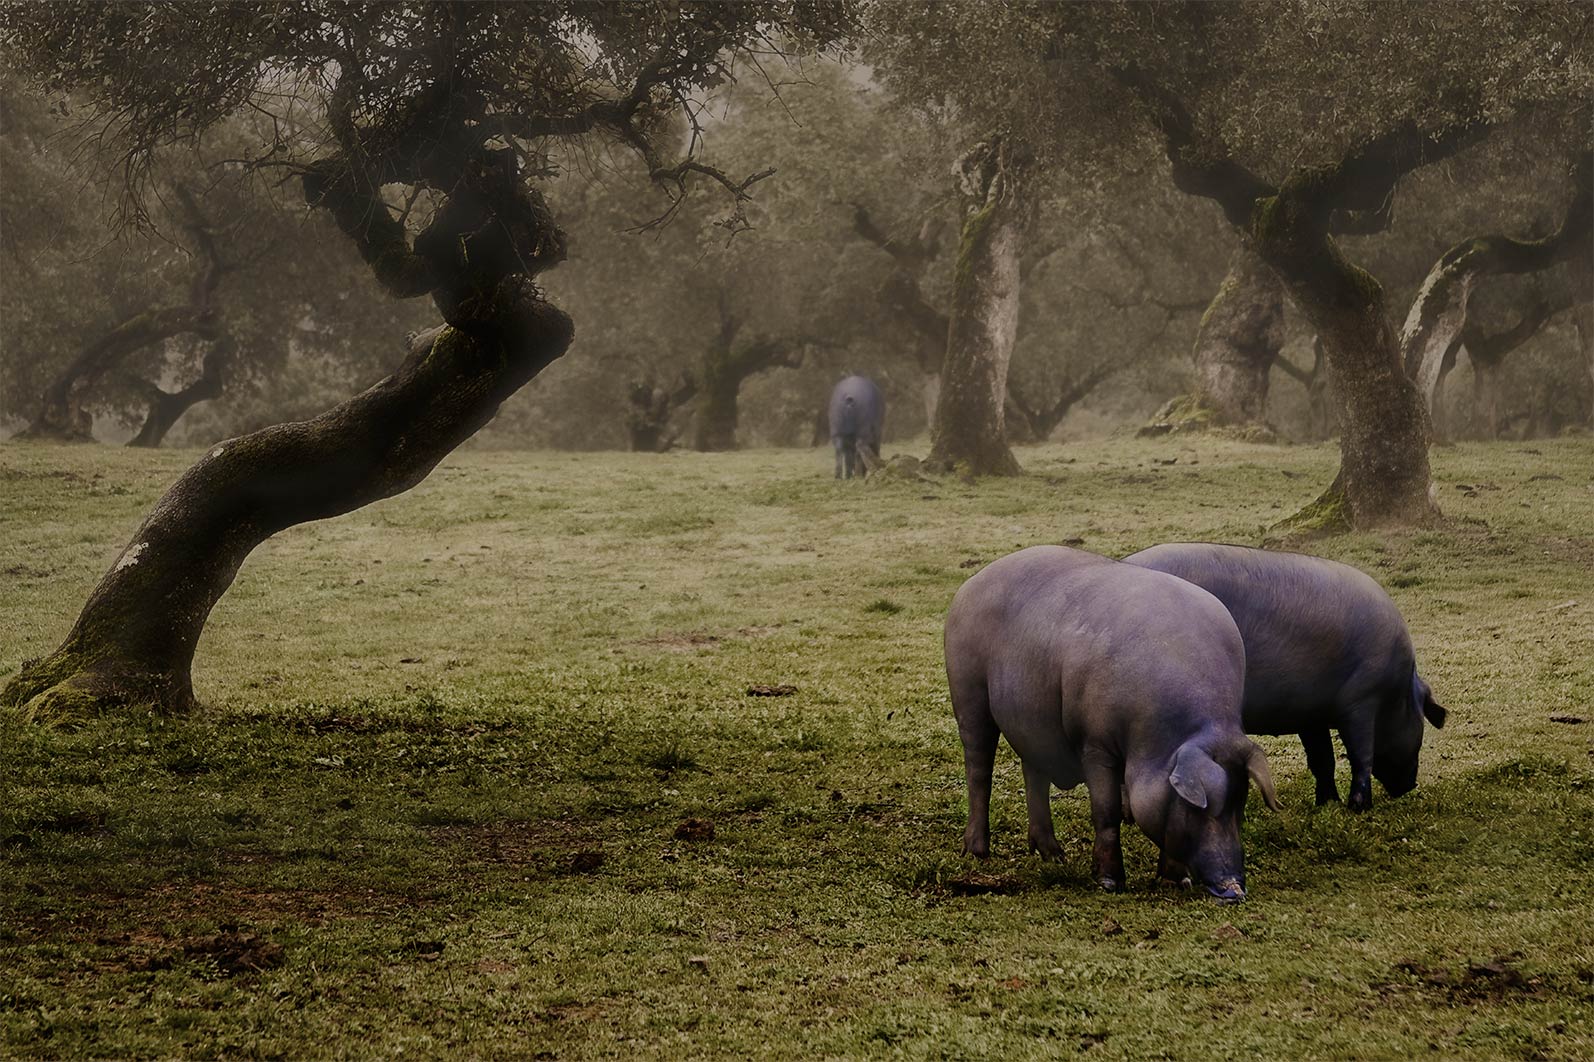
857,419
1324,647
1119,677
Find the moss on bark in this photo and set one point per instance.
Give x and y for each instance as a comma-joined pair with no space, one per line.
1328,514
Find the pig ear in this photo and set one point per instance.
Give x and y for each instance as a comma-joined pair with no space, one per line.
1256,766
1435,712
1196,776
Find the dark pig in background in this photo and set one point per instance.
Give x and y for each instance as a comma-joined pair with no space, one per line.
857,420
1325,648
1116,676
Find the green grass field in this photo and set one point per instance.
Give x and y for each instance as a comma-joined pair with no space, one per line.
440,799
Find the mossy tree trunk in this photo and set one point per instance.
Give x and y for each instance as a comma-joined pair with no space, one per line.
1384,472
969,431
135,637
1238,341
1384,477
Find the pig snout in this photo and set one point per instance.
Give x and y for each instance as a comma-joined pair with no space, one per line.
1401,785
1230,890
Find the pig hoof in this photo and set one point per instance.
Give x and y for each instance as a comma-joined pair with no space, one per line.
1051,853
1227,892
1110,885
1327,798
978,851
1359,803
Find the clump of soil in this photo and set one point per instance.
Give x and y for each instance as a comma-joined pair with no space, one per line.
1494,979
695,830
976,883
586,862
232,951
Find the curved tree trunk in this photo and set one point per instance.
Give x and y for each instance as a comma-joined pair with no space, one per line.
134,640
970,431
1438,314
63,411
1238,341
724,369
166,408
1384,473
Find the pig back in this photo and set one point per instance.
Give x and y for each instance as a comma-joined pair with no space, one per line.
1317,633
1095,649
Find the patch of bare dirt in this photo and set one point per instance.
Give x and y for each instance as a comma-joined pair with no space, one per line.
979,883
556,845
233,951
695,830
1491,981
680,641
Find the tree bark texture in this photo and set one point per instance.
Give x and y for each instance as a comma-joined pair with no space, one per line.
135,638
134,641
1384,473
969,431
1238,340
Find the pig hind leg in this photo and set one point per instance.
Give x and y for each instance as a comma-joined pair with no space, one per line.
1319,745
971,705
1038,802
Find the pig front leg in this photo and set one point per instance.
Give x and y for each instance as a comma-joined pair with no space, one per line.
1038,801
1319,746
1105,781
1173,870
1358,738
